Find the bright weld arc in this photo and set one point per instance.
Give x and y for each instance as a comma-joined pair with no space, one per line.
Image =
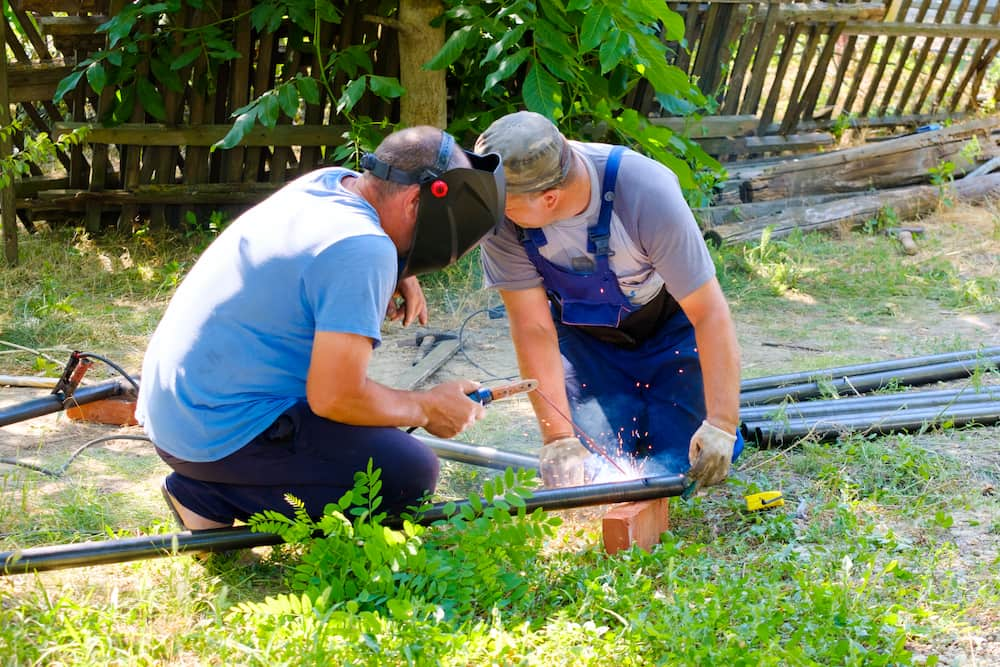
600,450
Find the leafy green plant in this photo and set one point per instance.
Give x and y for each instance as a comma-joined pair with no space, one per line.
149,34
575,63
886,219
843,123
942,176
466,564
39,150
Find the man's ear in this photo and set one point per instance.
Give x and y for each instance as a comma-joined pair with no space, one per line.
550,198
412,200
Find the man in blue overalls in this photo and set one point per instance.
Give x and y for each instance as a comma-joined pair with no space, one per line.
614,307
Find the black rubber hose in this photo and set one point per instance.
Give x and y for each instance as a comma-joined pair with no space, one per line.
62,556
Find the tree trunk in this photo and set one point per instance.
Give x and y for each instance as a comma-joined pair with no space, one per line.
426,95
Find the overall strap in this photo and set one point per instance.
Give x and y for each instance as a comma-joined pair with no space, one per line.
598,236
532,239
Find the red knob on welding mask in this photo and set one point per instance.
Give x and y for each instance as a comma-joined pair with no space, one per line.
439,189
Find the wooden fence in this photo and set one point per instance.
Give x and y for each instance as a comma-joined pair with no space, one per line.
783,75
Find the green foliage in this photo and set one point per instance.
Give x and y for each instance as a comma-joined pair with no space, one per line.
575,63
886,219
39,150
148,34
465,565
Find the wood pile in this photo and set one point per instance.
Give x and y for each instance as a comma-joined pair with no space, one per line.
909,174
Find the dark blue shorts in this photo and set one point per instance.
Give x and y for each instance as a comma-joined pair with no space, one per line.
309,457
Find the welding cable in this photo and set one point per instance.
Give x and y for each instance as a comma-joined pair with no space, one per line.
495,313
61,470
121,371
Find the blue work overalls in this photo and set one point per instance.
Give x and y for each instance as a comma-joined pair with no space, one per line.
643,401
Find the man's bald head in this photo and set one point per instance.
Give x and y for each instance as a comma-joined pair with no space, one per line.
413,150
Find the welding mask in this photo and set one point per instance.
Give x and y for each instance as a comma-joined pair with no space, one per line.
457,207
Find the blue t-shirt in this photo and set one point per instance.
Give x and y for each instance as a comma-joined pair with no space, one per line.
232,351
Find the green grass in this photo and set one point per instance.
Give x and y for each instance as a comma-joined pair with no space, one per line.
885,551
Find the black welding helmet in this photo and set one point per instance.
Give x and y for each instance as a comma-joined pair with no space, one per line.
457,207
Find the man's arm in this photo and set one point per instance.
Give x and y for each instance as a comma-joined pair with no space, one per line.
537,346
719,353
338,388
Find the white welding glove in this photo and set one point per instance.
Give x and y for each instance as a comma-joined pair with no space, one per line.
561,462
710,453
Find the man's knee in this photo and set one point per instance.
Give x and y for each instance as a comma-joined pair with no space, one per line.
409,475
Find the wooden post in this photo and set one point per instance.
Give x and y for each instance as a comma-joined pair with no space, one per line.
761,61
942,54
918,64
957,54
977,67
791,117
6,148
904,55
876,83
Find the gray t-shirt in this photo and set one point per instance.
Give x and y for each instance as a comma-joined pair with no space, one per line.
655,240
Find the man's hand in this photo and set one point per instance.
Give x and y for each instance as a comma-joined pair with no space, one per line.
710,453
561,462
412,305
449,409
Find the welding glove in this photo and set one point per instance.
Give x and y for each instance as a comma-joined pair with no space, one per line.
710,453
561,462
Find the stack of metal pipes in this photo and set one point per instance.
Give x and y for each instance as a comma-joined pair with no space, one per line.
781,409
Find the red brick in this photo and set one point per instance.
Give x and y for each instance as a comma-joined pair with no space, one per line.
117,411
639,523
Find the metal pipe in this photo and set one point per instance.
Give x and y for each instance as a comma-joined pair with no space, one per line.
857,369
487,457
56,402
829,428
905,400
870,381
62,556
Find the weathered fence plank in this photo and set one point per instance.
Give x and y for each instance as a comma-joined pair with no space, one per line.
892,163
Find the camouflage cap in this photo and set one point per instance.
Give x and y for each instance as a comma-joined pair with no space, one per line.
535,154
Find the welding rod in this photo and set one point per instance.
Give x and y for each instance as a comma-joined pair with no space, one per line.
62,556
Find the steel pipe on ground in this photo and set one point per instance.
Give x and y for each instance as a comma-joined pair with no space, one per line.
858,369
63,556
55,402
903,400
487,457
829,428
871,381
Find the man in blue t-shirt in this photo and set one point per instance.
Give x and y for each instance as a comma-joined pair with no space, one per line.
254,384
